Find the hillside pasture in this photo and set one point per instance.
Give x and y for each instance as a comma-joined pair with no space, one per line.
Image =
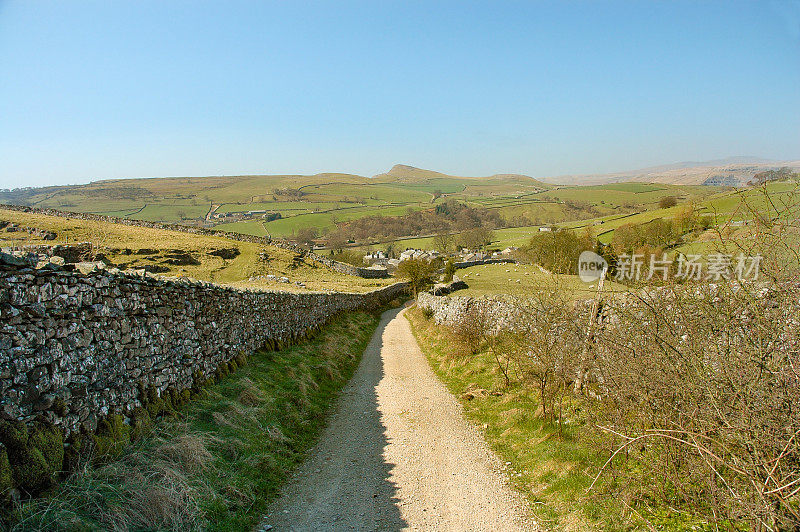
524,279
186,255
323,222
443,185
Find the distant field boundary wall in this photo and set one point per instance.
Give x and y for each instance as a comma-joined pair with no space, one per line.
341,267
469,264
75,347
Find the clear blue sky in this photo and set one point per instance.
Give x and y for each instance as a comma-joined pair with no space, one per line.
108,89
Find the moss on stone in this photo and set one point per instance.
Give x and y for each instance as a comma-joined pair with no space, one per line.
141,386
152,394
140,423
60,407
186,396
49,440
5,474
155,408
30,470
30,457
112,435
79,446
13,434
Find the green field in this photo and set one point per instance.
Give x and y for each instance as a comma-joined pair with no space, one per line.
321,221
722,207
525,279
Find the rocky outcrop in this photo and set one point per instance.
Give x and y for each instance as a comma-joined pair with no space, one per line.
71,253
77,342
11,227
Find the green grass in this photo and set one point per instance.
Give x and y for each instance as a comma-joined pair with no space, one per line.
219,463
638,195
553,471
538,211
283,207
444,185
721,206
170,212
382,193
330,199
522,279
739,205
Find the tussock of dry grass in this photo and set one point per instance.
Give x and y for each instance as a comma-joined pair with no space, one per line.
188,450
152,486
515,415
330,370
250,397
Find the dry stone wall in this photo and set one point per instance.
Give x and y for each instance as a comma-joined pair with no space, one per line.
75,346
452,310
478,262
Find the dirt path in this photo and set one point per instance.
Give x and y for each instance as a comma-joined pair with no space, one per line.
398,454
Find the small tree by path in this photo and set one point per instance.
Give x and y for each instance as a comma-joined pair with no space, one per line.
418,272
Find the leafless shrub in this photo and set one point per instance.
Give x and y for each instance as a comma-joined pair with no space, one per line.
547,348
704,382
471,330
700,384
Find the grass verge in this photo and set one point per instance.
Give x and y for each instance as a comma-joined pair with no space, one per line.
552,470
220,460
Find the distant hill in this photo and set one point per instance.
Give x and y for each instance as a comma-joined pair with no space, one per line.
406,173
731,171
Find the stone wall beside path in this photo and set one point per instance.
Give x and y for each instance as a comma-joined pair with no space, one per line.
75,346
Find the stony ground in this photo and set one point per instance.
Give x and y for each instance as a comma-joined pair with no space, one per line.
398,454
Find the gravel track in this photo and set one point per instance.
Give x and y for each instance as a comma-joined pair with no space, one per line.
398,454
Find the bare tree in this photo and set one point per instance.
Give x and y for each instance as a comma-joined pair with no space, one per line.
443,241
